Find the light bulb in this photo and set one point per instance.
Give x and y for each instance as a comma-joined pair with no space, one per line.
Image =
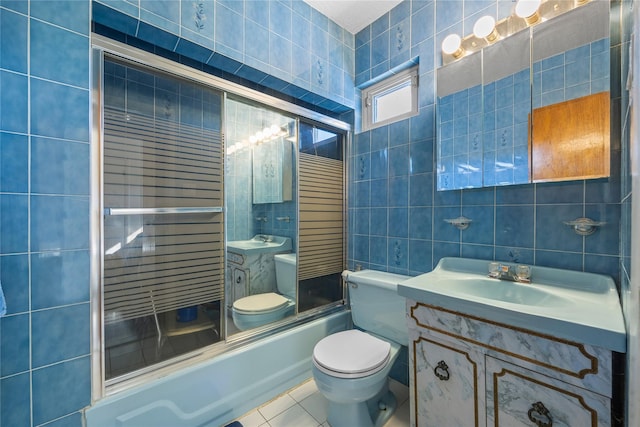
528,10
451,45
485,28
275,130
266,132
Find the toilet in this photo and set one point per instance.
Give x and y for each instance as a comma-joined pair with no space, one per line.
259,309
351,367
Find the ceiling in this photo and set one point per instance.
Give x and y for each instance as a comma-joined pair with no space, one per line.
353,15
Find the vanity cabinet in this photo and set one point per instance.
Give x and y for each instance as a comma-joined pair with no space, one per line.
449,380
516,396
470,371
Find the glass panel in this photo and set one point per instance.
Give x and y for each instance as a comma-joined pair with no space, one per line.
163,272
393,102
460,120
321,252
571,111
392,99
261,216
506,107
545,102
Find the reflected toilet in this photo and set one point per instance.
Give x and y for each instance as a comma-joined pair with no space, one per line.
259,309
351,367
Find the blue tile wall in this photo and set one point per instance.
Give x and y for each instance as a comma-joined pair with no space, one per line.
306,54
44,212
577,72
395,213
519,223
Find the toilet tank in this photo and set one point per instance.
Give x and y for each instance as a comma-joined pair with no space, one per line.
286,274
375,304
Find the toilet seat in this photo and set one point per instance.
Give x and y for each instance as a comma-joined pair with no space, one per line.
260,303
351,354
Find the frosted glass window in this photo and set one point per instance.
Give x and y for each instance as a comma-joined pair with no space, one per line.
390,100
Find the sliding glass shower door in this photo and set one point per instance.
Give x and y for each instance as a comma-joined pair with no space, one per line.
163,227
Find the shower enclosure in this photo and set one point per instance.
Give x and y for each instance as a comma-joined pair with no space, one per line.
186,166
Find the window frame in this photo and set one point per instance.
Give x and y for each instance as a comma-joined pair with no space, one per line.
386,86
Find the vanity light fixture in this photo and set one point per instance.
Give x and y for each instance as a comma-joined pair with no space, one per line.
485,28
528,10
452,45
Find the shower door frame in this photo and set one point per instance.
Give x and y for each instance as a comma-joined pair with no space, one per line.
102,47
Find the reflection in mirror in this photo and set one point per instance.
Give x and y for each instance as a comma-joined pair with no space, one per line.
261,283
460,124
272,171
321,248
570,119
545,104
506,105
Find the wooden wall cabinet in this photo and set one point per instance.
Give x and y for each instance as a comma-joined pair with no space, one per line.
571,139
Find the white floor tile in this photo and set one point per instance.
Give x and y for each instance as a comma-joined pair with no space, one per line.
304,390
401,417
400,390
276,406
316,405
253,419
305,406
294,417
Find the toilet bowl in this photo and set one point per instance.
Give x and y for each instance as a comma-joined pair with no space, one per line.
351,367
259,309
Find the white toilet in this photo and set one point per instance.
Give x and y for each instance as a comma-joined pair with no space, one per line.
351,368
260,309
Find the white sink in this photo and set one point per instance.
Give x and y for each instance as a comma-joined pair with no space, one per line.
582,307
260,243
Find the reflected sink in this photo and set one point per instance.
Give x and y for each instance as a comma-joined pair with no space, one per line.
573,305
261,243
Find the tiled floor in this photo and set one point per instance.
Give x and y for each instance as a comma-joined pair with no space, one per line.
304,406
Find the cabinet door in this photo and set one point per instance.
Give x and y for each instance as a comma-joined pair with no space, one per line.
519,397
447,387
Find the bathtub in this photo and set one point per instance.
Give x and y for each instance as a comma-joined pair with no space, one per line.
216,392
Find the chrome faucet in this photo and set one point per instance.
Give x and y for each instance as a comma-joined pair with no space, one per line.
264,238
521,273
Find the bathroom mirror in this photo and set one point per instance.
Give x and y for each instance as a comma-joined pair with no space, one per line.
261,226
544,109
272,164
571,113
506,93
460,123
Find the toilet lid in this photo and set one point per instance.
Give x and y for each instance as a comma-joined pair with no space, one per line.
260,303
351,354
